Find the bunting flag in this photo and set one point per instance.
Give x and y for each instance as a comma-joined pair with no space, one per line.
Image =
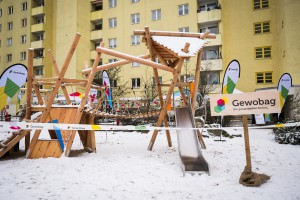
108,90
11,80
231,76
284,85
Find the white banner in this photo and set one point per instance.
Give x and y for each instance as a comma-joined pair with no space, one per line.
244,103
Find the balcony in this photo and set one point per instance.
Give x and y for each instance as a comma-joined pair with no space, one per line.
215,42
96,35
37,44
209,16
37,27
38,11
38,61
213,64
96,15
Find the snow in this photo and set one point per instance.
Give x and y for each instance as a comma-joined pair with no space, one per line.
123,168
176,44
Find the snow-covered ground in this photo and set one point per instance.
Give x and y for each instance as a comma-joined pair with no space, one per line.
123,168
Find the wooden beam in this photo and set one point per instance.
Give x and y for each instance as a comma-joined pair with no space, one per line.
83,101
196,81
175,34
29,93
133,59
114,64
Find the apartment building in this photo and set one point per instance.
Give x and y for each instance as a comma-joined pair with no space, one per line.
262,34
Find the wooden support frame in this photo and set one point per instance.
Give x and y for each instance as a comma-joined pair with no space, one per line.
53,94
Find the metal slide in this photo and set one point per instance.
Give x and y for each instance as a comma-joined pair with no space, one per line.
189,148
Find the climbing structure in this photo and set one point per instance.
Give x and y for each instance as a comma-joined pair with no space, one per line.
171,49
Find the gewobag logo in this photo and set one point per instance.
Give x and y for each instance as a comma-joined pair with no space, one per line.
245,103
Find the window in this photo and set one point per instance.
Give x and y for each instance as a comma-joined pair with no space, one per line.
23,55
23,39
10,25
38,70
112,3
39,53
40,36
159,79
40,20
135,64
112,42
112,22
183,9
24,6
135,18
98,26
112,60
156,14
264,77
0,12
262,52
23,22
9,41
184,29
9,57
260,4
210,77
210,53
114,83
212,29
0,27
135,1
135,40
261,27
136,82
10,10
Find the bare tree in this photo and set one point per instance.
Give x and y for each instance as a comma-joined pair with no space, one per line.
114,79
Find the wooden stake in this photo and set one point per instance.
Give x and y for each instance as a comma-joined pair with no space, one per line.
29,93
196,82
247,143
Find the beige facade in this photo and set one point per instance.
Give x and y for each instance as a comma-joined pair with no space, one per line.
263,35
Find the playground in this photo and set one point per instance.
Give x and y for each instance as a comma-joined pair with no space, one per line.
71,156
123,169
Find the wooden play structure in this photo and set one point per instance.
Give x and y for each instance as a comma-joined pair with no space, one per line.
170,48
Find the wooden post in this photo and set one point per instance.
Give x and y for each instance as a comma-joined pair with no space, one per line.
91,141
83,100
196,81
29,93
158,87
168,98
247,143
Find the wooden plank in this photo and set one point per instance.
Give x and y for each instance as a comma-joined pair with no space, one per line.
38,94
58,151
53,149
36,149
43,148
91,140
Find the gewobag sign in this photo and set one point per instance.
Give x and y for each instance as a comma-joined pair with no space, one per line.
245,103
